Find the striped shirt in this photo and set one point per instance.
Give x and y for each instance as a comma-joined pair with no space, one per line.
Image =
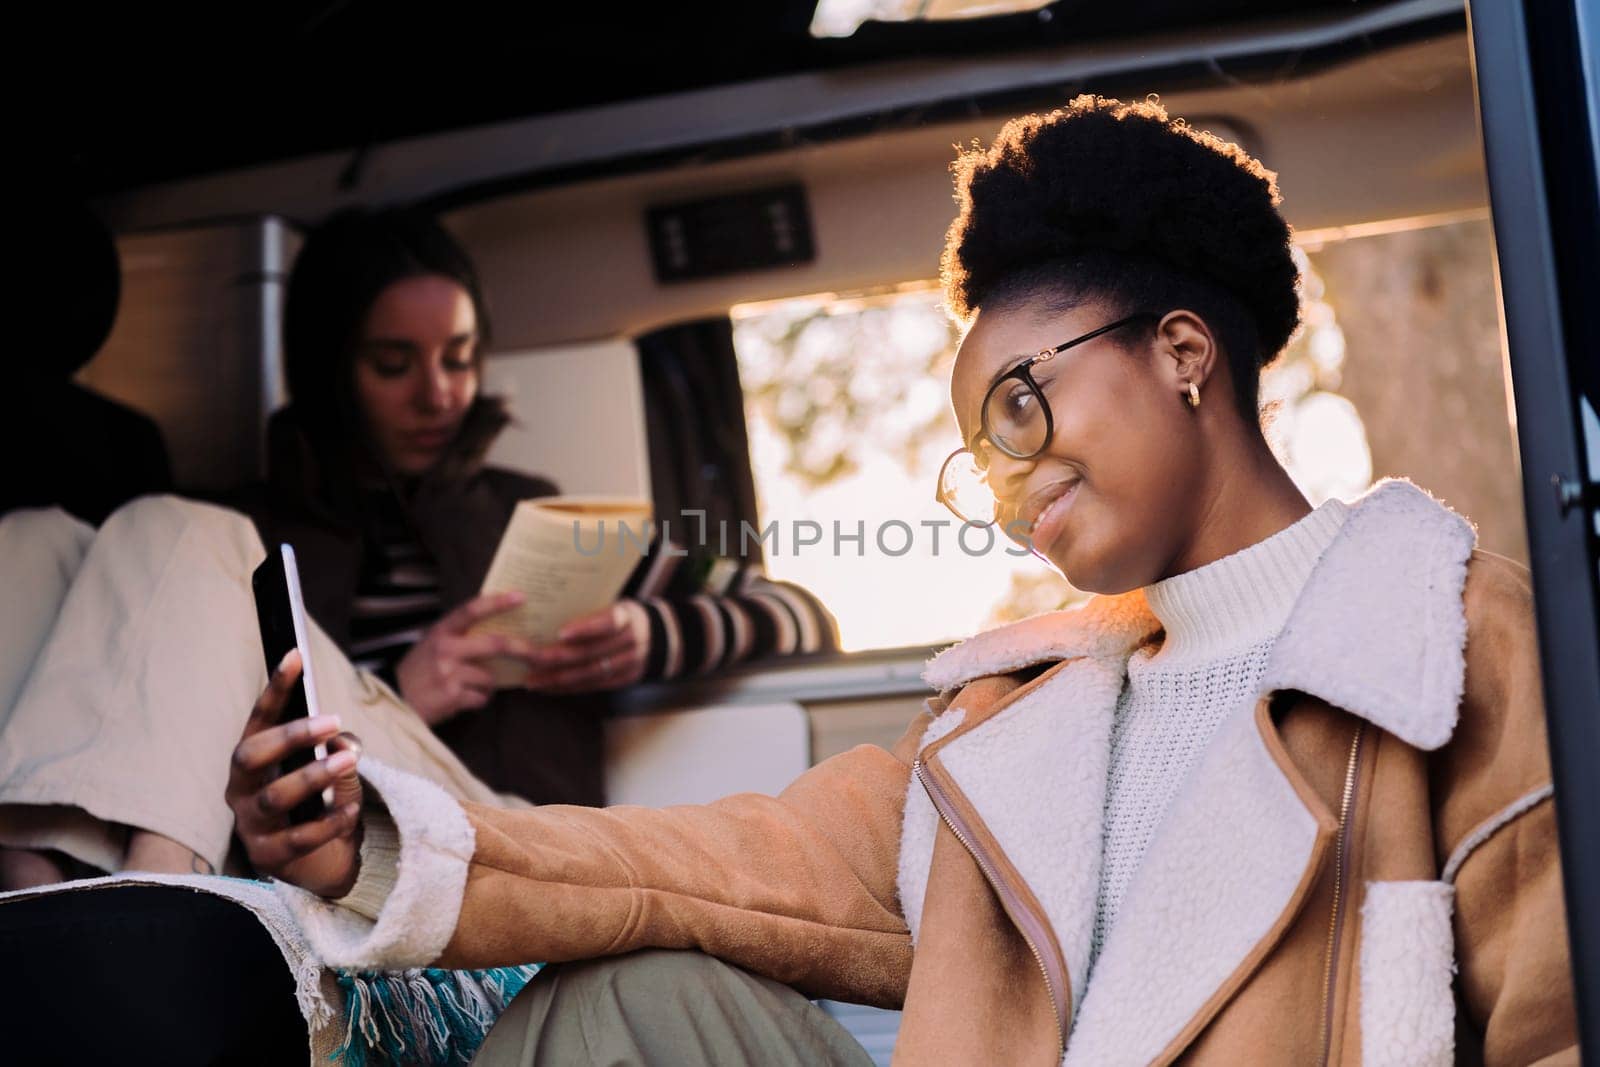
397,591
706,613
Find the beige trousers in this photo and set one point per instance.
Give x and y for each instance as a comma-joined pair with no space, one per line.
129,660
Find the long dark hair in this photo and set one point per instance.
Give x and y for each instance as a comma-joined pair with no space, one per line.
344,265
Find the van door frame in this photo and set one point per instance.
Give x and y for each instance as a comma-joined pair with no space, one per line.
1540,114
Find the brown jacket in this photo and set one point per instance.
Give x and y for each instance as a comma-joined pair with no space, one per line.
1361,869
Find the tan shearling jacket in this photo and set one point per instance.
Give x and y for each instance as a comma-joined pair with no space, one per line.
1361,869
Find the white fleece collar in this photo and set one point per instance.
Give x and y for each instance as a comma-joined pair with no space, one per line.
1379,629
1104,627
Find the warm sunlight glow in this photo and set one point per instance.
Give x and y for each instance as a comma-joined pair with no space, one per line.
884,600
1316,434
847,404
1326,448
841,18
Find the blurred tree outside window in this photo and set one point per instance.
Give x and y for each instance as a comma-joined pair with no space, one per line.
1425,365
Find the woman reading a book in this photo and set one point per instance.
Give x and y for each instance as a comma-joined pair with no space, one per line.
1280,792
376,476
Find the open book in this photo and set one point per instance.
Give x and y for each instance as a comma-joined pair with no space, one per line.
569,555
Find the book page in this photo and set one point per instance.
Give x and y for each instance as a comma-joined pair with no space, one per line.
569,556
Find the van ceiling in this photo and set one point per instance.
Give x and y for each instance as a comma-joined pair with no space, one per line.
146,94
1392,136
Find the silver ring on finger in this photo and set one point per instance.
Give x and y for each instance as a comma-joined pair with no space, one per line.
605,664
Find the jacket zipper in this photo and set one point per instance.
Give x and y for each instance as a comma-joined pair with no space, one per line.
1029,925
1340,892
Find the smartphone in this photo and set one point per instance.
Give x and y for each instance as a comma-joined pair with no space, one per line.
281,614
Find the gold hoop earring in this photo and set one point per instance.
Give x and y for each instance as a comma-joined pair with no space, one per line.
1194,395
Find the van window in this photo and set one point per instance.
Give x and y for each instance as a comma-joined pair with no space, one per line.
1396,371
847,406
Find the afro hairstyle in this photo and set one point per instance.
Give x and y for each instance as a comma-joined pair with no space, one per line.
1115,202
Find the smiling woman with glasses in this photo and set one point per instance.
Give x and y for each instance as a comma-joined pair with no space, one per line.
1278,793
1016,419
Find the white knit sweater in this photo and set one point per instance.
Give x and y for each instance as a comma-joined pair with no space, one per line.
1220,622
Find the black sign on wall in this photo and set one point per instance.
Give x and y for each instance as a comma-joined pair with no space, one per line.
729,234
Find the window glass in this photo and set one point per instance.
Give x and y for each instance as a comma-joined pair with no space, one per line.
847,403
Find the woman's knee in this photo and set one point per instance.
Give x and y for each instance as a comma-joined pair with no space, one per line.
41,552
649,971
48,535
164,518
661,1006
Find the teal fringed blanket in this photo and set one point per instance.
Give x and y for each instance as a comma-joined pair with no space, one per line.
430,1018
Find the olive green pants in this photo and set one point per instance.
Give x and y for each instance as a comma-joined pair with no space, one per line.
667,1008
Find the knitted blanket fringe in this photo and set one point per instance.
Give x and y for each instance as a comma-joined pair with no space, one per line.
429,1017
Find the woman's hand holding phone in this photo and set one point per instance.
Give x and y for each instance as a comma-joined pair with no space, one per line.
322,855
